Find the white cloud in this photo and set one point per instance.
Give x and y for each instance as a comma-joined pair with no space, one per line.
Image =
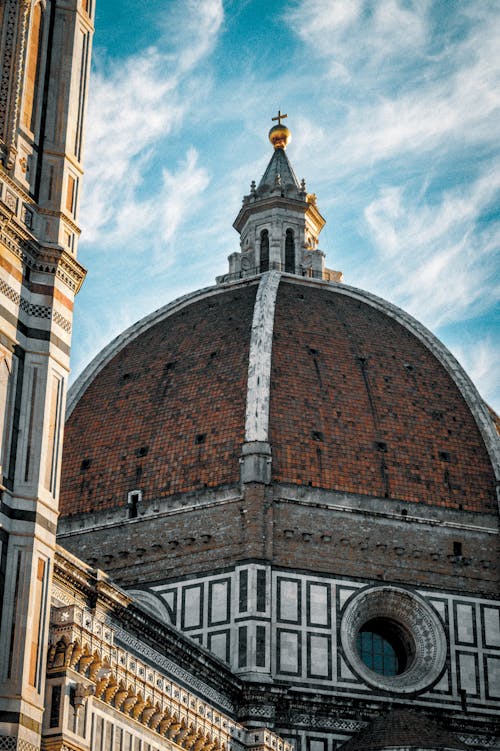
404,98
353,33
481,359
134,104
191,27
437,260
152,222
412,104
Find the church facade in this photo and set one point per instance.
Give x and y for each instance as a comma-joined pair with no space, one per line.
278,510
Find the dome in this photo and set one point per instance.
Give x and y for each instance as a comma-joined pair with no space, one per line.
403,730
352,395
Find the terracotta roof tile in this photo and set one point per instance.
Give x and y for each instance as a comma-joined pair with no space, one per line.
404,729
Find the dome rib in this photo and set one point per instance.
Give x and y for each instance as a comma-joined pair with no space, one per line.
259,361
349,429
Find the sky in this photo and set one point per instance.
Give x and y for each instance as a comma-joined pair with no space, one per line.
394,109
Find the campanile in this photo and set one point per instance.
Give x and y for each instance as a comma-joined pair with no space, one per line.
45,61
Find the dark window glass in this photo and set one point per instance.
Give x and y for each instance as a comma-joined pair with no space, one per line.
264,250
382,647
55,706
289,252
260,657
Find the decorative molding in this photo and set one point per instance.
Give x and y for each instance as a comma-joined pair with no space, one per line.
32,309
416,618
330,723
481,741
8,63
84,645
171,668
15,70
10,743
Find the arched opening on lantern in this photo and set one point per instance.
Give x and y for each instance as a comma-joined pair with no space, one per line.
264,250
290,252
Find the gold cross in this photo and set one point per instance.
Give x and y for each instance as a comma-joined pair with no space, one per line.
279,118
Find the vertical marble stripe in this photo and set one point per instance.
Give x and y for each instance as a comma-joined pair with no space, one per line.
259,364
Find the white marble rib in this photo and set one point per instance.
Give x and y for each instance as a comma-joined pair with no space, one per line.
259,361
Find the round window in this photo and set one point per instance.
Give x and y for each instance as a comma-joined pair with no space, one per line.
384,646
393,640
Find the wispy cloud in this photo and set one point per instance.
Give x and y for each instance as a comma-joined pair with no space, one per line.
406,95
481,360
359,33
412,139
132,106
191,28
394,107
437,259
135,104
157,217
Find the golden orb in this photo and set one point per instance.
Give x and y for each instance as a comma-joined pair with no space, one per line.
280,136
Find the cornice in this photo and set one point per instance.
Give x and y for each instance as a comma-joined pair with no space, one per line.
60,215
24,246
277,201
70,570
102,595
16,238
15,185
64,265
128,686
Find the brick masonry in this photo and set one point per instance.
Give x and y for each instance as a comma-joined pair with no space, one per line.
313,532
357,404
167,414
369,409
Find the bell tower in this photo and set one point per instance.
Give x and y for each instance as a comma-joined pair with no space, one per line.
279,222
45,50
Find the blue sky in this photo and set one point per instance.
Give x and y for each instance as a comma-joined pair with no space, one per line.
394,107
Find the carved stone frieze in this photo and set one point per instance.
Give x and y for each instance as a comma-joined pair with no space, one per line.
9,743
85,644
171,668
17,16
479,741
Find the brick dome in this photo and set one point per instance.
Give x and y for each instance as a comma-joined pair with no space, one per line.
359,399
